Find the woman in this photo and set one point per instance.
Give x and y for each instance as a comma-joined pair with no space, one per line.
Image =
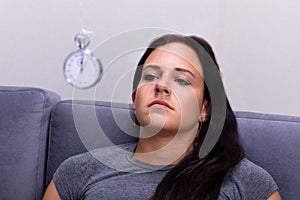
173,106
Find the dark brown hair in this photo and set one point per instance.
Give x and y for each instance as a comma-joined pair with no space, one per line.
193,177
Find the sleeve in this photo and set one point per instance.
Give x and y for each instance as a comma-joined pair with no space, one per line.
247,181
259,184
68,179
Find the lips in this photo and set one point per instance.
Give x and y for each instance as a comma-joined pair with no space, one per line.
159,102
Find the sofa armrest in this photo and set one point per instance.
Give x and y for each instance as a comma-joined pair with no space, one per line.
24,121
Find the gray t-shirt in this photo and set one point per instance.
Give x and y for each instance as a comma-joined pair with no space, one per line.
111,173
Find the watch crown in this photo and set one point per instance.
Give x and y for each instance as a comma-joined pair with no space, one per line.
82,40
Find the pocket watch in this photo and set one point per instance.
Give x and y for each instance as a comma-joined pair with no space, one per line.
81,68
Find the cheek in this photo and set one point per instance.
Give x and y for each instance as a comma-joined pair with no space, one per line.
140,104
189,104
138,100
141,95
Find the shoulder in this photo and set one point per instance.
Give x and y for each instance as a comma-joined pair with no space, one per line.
87,160
74,174
69,179
247,169
249,181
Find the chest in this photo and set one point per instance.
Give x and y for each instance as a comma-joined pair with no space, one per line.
138,186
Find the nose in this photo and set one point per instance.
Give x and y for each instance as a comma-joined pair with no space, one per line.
159,88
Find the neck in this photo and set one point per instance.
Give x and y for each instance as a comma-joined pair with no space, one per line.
165,147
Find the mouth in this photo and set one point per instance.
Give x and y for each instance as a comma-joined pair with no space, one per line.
160,103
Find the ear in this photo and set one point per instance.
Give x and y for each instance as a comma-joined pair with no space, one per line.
133,99
205,111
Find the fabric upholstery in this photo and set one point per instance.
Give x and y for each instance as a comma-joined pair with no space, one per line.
273,142
24,121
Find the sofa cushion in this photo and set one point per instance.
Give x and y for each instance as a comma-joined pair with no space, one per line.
273,142
24,120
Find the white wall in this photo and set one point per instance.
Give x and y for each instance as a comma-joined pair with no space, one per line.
258,49
256,43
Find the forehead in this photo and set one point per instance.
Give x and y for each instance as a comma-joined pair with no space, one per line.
175,55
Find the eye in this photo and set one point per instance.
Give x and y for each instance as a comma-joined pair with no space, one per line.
149,77
182,81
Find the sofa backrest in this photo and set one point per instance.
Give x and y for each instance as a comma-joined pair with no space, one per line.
271,141
24,122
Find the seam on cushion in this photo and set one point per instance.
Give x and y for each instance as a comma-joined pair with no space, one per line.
22,89
40,138
95,105
270,120
47,118
264,116
46,101
49,140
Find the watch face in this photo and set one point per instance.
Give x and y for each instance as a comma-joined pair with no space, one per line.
82,69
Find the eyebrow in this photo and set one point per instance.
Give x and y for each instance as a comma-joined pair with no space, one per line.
152,67
178,69
184,70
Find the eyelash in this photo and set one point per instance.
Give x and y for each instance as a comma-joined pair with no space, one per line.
151,77
182,81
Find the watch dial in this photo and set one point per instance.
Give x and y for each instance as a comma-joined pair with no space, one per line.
82,69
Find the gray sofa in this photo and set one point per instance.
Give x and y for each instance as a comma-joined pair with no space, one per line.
38,131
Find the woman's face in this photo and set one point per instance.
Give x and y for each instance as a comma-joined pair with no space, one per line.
170,93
